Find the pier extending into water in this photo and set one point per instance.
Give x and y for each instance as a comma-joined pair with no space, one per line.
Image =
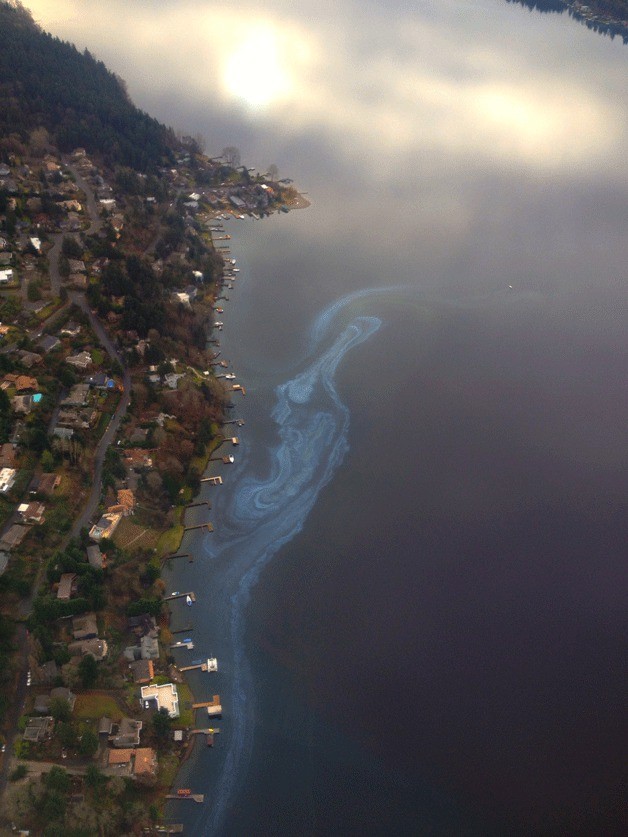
211,664
174,596
199,503
208,526
195,797
179,555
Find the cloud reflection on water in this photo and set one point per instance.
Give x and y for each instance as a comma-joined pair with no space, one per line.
377,84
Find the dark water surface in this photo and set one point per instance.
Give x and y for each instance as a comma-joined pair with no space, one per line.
416,586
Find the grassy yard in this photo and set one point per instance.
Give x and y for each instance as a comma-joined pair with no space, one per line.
168,769
186,716
130,534
95,705
170,541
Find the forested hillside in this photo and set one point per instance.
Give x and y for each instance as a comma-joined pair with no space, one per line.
608,17
46,82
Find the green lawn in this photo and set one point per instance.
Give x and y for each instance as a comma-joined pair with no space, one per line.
94,705
170,541
186,713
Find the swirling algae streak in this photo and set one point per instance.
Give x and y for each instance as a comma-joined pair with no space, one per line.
264,514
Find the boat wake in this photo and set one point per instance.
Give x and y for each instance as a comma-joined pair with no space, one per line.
261,514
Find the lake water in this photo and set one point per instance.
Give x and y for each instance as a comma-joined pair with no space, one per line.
415,589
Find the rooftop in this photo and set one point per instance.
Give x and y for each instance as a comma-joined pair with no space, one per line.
165,696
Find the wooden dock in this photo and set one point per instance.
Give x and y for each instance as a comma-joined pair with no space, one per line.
178,555
197,667
210,664
207,526
212,480
174,828
183,630
199,503
174,596
210,730
213,706
195,797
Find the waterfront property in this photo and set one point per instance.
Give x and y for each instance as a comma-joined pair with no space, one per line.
164,696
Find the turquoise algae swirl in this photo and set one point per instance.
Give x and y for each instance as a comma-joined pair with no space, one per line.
264,513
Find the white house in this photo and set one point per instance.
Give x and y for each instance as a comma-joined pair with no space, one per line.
163,696
6,276
105,527
7,478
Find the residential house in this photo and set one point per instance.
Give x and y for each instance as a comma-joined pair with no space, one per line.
137,458
29,359
126,499
85,626
96,558
82,360
171,379
145,764
70,329
78,395
42,702
127,734
22,404
119,761
14,537
139,436
76,266
149,647
142,625
98,648
67,586
143,671
7,455
101,381
45,484
24,383
31,512
105,725
39,729
182,297
47,672
163,696
78,419
7,478
105,527
49,342
6,276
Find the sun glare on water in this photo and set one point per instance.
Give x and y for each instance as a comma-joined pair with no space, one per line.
257,71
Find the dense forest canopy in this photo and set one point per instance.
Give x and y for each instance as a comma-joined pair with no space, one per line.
617,9
609,17
46,82
542,5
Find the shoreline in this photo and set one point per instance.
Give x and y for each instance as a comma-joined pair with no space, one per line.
144,534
